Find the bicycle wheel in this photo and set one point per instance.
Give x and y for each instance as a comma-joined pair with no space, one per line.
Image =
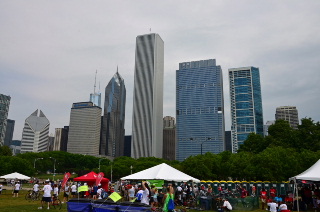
28,196
57,204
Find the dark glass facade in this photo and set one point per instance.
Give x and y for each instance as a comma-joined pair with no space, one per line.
112,139
246,104
199,109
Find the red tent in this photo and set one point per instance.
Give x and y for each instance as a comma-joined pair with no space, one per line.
91,178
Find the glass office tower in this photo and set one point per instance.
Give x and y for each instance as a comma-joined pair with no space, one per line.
246,104
112,142
199,109
147,129
4,110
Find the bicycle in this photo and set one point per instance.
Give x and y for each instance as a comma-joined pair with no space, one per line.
56,203
32,196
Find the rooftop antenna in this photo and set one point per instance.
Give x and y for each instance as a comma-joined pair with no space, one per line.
95,80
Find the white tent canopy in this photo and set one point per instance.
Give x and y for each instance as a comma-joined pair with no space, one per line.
313,173
161,172
15,175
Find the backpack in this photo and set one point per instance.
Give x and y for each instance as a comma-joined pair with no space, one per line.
104,194
139,196
170,204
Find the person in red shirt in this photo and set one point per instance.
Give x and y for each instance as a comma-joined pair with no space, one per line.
273,192
263,198
244,193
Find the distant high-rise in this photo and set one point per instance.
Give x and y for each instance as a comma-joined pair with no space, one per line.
61,139
35,135
127,146
199,109
9,132
84,129
4,110
266,127
246,104
113,132
228,141
95,97
169,138
288,113
147,125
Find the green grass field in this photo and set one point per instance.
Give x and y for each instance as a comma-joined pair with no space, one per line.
20,204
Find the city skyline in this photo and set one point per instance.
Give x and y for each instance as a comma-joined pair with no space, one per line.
49,63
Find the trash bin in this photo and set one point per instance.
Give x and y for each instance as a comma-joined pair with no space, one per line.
105,206
134,207
79,204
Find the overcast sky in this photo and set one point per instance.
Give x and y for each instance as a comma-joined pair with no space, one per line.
50,50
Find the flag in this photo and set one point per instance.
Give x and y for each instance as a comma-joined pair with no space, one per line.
99,178
83,188
65,179
115,196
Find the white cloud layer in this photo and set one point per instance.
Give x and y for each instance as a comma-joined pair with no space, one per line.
50,50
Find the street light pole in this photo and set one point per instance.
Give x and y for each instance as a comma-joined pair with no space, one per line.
54,166
131,168
34,164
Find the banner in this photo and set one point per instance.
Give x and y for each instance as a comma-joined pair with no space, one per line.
158,183
65,179
99,178
83,188
115,196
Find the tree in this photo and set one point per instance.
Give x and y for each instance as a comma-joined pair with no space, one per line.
5,151
254,143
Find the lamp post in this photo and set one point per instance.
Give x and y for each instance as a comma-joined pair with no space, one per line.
201,143
100,161
54,166
131,168
34,163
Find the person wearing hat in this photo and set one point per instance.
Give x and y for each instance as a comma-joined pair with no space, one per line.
46,195
226,205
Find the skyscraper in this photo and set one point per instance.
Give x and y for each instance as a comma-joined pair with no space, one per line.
95,97
169,138
61,139
84,129
147,129
4,110
199,108
35,134
9,132
246,104
112,141
288,113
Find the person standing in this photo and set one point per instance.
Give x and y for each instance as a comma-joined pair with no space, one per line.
0,188
131,193
46,195
16,189
169,195
146,192
273,206
74,190
66,193
263,198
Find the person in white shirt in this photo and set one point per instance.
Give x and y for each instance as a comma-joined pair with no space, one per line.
131,192
226,205
273,206
16,189
283,206
46,195
55,191
99,192
146,192
0,188
36,187
73,190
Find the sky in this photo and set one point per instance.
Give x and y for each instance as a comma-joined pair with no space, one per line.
50,50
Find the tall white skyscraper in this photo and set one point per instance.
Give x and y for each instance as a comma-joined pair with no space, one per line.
147,123
35,135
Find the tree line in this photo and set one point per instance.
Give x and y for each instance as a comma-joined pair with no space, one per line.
284,153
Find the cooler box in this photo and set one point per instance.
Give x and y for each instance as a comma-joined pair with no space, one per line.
134,207
79,205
